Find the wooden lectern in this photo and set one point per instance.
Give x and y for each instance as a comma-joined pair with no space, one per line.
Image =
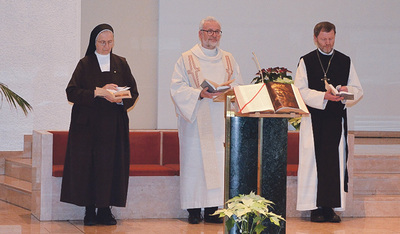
255,156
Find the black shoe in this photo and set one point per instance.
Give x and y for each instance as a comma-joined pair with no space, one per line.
317,215
194,216
209,218
104,216
90,216
331,216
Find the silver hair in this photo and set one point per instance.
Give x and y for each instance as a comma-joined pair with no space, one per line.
207,19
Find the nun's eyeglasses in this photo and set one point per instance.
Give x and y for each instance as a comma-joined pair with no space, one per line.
103,43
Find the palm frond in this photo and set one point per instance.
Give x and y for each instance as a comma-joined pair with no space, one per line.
14,99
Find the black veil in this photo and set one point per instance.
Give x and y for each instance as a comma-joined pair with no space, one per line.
93,35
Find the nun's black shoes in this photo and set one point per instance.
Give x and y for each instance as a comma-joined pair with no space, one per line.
90,216
194,216
209,218
325,214
105,217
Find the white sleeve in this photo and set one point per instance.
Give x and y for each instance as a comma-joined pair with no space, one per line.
311,97
185,97
353,86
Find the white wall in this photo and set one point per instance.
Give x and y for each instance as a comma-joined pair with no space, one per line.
41,45
39,49
279,32
44,40
135,28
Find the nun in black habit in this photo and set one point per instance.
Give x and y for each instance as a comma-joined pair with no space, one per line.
96,169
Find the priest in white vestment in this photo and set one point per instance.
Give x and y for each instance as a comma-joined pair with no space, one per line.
322,173
201,124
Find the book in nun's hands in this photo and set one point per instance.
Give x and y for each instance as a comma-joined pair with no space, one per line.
121,92
272,97
214,87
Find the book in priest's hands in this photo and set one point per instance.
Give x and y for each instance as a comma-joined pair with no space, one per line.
271,97
214,87
121,92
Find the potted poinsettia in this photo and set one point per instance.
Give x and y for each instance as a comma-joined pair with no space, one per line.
14,99
248,212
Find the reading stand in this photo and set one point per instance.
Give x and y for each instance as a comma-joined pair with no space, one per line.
255,156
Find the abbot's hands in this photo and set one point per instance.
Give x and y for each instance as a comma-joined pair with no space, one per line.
104,93
344,89
205,94
331,97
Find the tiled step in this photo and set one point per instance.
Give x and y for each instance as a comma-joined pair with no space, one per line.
377,141
376,206
377,163
376,183
377,149
15,191
376,178
20,168
8,154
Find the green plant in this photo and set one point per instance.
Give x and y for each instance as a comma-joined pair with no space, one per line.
274,74
248,213
14,99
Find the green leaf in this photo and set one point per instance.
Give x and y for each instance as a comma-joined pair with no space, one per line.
230,223
14,99
259,228
275,221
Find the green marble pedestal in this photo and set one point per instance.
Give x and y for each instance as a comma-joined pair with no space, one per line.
256,151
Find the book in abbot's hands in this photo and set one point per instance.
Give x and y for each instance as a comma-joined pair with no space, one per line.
271,97
214,87
336,92
121,92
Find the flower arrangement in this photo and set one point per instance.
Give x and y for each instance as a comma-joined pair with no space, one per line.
274,74
248,212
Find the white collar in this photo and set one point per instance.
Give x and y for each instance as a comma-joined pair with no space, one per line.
208,52
330,53
202,53
102,56
104,61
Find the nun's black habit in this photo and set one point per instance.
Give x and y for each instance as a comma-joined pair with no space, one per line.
96,169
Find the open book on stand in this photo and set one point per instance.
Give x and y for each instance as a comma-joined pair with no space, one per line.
121,92
214,87
272,97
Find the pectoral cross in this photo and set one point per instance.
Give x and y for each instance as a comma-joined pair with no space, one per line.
325,79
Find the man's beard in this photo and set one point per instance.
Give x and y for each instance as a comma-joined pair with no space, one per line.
211,44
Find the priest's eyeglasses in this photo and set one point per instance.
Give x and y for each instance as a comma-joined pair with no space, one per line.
211,32
103,43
